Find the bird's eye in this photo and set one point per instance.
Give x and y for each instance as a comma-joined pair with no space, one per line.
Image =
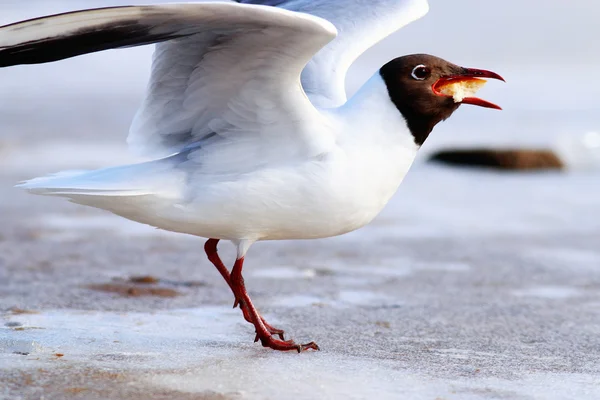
420,72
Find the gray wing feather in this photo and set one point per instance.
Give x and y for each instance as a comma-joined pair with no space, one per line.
360,24
201,60
221,68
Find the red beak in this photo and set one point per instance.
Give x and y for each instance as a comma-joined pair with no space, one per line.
468,74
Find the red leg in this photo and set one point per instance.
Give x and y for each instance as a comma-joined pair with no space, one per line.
211,251
262,332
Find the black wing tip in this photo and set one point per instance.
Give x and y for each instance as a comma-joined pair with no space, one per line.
42,50
111,35
40,19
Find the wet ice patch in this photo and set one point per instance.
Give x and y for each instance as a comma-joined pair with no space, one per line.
403,267
333,376
18,346
343,299
574,259
299,301
164,339
364,298
382,268
204,350
285,273
540,386
444,266
311,376
386,269
549,292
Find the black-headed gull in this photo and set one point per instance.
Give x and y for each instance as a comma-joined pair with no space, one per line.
247,116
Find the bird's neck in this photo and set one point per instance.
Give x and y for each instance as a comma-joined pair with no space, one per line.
371,115
376,138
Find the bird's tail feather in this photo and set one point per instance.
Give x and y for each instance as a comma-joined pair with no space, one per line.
130,180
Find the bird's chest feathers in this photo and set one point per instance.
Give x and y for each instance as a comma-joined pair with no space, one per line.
366,181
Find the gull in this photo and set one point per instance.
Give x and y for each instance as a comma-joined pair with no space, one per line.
247,122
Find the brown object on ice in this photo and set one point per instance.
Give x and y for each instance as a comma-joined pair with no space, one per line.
19,311
505,159
146,279
129,290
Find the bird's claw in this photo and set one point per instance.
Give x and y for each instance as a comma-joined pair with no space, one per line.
287,345
272,331
311,345
275,331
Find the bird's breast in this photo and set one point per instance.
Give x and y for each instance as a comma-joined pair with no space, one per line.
343,192
330,195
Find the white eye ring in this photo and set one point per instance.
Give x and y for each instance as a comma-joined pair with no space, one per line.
414,75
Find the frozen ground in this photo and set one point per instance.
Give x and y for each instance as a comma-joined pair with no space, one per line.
471,285
481,286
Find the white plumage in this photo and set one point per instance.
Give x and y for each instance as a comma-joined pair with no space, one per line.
247,155
247,116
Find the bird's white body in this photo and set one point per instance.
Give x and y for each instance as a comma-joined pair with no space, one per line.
247,120
339,190
246,116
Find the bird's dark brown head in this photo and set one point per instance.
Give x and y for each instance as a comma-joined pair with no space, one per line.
427,90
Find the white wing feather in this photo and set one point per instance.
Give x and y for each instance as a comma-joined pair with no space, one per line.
178,100
360,24
225,82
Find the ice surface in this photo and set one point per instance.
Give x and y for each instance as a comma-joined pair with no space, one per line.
470,285
204,346
72,227
549,292
114,338
35,157
286,273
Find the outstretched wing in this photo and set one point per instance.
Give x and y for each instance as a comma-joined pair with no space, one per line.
361,24
225,80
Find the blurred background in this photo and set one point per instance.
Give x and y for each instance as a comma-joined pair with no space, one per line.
76,113
485,282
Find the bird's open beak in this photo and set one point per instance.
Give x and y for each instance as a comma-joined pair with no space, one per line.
461,86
